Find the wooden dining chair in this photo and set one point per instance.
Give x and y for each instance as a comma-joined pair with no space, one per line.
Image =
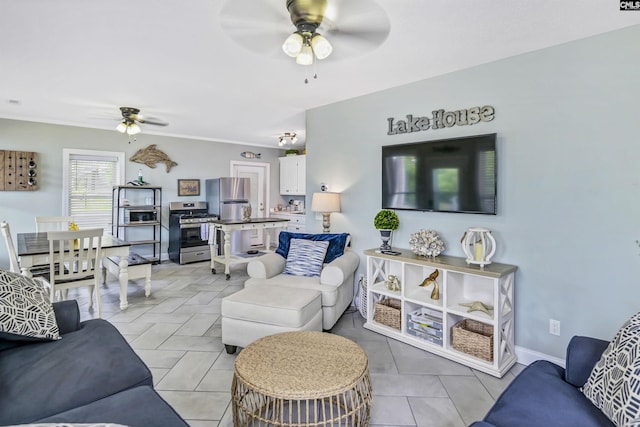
53,223
74,261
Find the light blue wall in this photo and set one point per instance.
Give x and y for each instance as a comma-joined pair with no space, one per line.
196,160
569,177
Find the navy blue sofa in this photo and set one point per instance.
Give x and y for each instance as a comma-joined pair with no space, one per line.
91,375
546,395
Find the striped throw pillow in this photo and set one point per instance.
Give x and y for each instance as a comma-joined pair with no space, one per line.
305,257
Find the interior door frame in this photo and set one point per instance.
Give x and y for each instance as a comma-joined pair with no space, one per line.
267,179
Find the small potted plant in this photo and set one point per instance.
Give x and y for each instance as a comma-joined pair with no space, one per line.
386,221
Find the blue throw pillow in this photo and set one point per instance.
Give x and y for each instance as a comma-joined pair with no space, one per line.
337,242
305,257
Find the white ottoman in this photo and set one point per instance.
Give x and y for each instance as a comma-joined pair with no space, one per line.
256,312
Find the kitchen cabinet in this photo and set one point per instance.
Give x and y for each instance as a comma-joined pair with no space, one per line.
136,214
293,171
429,323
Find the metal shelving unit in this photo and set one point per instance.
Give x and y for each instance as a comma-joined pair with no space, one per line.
136,216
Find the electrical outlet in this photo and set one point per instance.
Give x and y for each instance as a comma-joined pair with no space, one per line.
554,327
318,216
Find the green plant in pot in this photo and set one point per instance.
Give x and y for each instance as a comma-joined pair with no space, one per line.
386,221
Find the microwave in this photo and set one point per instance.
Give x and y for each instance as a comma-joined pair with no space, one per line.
142,216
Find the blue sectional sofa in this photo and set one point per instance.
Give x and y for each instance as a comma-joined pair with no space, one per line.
546,395
91,375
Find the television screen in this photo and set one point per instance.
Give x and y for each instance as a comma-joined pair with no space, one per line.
448,175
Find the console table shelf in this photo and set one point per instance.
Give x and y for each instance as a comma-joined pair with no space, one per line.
427,323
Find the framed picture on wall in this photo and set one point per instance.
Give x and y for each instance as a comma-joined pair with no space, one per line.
188,187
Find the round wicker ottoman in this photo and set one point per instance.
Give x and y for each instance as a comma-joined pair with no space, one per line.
301,378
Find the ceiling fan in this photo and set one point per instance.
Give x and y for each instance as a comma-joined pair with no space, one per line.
341,29
131,117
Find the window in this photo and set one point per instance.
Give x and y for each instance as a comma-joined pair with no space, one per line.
88,180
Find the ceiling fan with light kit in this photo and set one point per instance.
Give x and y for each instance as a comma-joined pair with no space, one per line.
131,117
340,29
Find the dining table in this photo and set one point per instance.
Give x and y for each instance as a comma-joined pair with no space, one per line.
33,249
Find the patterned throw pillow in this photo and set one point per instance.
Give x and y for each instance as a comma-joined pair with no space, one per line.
337,243
305,257
614,383
25,310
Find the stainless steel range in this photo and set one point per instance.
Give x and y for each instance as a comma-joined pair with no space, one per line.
189,232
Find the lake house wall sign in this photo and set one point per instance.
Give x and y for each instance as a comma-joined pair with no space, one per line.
441,119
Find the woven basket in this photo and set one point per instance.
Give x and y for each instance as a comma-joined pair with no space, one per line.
388,313
474,338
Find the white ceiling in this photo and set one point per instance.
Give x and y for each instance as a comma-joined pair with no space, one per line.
75,62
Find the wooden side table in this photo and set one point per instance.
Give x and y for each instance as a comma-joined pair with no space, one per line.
302,378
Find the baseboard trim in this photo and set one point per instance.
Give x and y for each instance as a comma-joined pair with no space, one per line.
527,356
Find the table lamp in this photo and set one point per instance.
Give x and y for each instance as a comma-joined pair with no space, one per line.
325,203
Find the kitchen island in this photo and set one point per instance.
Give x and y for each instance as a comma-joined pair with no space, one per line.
227,226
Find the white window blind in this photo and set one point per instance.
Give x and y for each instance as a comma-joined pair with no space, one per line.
90,181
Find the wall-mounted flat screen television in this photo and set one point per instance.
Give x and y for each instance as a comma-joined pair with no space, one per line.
447,175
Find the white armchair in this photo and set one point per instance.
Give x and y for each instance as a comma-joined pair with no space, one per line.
335,282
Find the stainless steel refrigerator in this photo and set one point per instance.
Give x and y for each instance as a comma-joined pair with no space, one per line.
225,197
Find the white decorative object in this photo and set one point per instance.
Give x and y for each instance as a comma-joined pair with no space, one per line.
426,243
479,246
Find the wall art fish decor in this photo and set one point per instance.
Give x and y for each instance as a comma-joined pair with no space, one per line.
150,156
250,155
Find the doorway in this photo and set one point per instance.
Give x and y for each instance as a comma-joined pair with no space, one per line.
259,174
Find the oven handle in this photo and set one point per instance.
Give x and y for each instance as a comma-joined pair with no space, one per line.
196,225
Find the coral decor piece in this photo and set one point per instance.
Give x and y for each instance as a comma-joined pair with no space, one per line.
150,156
426,243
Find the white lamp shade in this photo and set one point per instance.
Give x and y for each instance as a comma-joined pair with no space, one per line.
305,57
321,46
293,45
133,129
122,127
325,202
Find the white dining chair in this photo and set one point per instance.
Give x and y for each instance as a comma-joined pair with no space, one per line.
37,271
53,223
74,261
14,265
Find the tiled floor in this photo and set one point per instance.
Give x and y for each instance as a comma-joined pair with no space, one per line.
176,331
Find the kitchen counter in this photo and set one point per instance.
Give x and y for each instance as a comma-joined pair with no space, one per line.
227,226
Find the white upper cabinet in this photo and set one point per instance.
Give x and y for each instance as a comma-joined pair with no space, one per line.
292,175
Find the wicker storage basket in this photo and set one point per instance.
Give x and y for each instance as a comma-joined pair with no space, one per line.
474,338
387,312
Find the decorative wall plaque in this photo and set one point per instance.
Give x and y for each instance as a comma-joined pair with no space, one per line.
18,170
440,119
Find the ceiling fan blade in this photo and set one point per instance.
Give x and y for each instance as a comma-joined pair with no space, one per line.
151,121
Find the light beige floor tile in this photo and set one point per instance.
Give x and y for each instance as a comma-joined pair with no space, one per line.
202,297
380,357
216,380
435,412
495,386
176,318
168,305
160,358
188,372
198,405
197,325
407,385
155,335
469,395
391,411
192,343
158,374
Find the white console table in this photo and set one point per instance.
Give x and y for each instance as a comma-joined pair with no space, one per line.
228,226
460,285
